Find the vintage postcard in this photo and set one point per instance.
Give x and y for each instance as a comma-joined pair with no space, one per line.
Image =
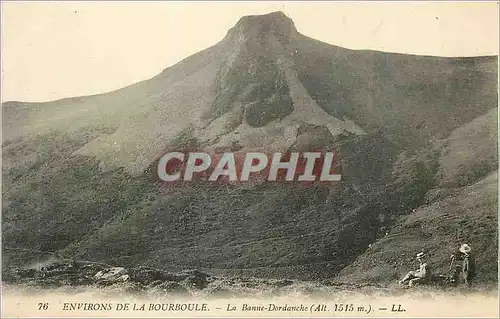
249,159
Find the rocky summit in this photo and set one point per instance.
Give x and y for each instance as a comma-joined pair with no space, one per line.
415,136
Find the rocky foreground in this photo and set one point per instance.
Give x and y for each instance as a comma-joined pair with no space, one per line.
79,276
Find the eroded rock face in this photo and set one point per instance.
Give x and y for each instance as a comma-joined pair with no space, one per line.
256,27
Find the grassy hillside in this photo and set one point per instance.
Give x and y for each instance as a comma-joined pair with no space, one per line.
463,215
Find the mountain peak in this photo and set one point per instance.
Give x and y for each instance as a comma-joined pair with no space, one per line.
275,23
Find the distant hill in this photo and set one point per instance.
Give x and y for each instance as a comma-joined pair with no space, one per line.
416,137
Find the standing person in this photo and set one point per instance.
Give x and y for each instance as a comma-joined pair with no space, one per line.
468,263
420,276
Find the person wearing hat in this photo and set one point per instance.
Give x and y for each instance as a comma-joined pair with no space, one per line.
468,263
420,276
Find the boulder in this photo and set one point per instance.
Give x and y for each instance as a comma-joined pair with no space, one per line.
281,283
195,279
90,269
147,276
111,274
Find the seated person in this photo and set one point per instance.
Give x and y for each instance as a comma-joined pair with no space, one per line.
420,276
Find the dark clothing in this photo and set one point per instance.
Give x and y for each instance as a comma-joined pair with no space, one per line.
468,269
469,266
458,255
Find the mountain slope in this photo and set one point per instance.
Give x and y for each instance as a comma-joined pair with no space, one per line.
464,215
79,174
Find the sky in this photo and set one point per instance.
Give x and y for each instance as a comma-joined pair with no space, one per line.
53,50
